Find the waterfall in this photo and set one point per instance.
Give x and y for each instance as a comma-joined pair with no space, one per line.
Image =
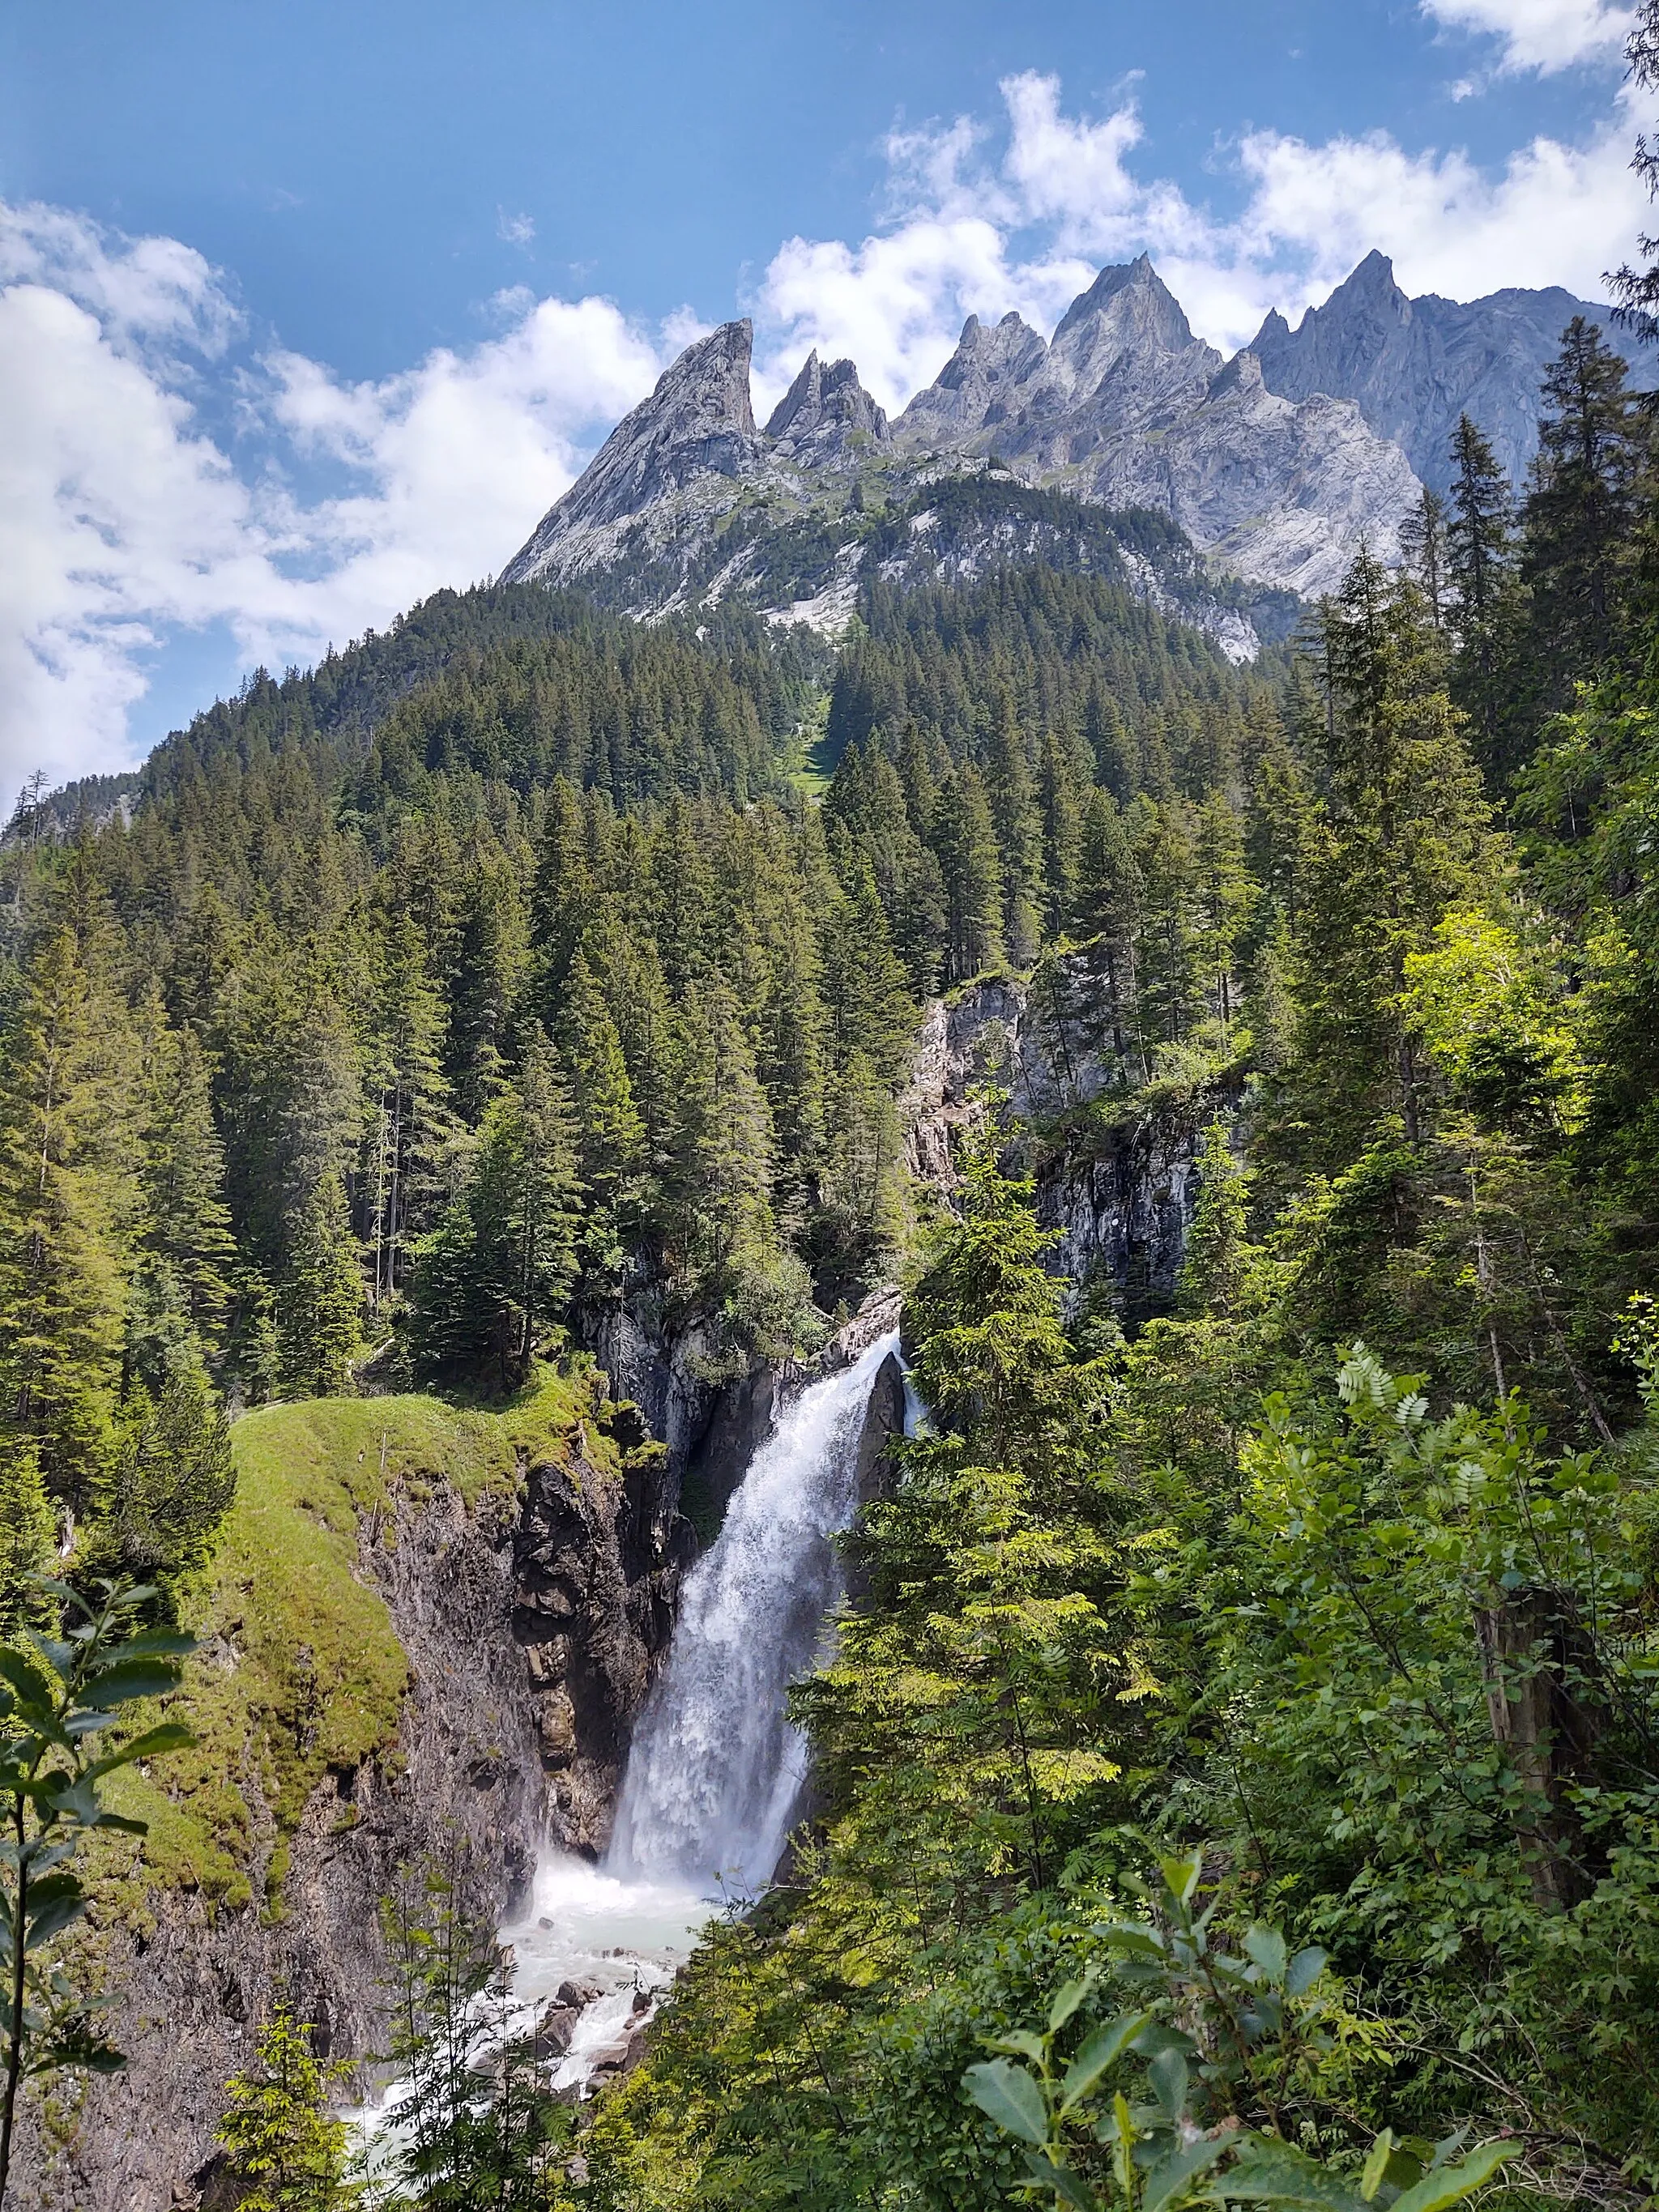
716,1768
716,1765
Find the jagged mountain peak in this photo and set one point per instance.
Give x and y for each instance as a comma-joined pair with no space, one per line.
815,419
698,422
1413,365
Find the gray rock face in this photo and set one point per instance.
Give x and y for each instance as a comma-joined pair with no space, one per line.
699,423
1128,407
982,383
1414,366
825,414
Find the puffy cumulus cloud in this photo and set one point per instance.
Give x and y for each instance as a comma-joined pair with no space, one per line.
1546,35
981,225
453,461
122,521
147,293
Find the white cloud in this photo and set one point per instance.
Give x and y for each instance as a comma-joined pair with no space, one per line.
121,520
515,229
1546,35
974,233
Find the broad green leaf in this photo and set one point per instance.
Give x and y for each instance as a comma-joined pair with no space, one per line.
1024,2040
1179,2166
27,1685
1304,1970
1272,2173
1170,2080
1266,1947
1182,1874
1067,1998
1376,2165
1131,1936
55,1913
1451,2184
1099,2050
127,1679
1009,2096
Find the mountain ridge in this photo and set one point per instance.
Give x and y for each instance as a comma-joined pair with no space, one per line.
1276,465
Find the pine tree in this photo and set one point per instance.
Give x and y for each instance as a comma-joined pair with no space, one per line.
964,841
1481,563
280,2137
1579,508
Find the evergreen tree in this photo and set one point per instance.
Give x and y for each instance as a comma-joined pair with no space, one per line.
1018,826
69,1203
964,843
1406,835
610,1134
320,1298
26,1530
1480,560
1579,509
870,1008
1425,549
281,2139
1108,915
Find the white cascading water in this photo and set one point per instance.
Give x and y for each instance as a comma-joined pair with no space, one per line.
716,1765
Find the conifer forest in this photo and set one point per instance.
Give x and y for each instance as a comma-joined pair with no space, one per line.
1235,1763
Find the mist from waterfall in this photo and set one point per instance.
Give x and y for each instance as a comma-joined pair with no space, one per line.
716,1765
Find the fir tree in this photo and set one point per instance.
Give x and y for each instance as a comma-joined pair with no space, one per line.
964,843
1579,511
281,2140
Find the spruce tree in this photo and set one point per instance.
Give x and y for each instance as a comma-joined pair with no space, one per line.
1108,915
1018,830
1579,509
964,843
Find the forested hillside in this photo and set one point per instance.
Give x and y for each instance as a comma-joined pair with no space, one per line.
525,959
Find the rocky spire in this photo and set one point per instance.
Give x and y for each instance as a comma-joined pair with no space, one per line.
699,422
980,385
813,421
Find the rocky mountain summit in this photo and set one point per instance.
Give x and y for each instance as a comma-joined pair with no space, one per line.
1413,366
1275,466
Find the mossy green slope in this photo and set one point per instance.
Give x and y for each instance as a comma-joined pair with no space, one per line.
300,1670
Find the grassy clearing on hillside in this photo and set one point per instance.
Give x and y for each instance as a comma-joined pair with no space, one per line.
300,1668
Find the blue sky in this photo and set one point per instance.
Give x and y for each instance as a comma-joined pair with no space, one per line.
308,309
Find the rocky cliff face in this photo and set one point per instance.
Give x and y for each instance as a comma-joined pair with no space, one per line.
1133,411
697,425
1119,1187
1276,465
1413,366
532,1622
826,419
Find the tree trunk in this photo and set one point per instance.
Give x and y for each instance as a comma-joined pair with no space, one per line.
1538,1661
